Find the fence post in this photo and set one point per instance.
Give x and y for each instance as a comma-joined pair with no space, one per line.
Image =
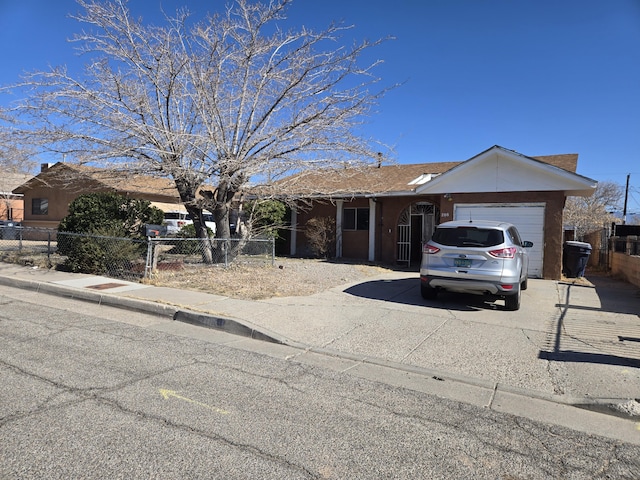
629,248
49,247
147,266
273,251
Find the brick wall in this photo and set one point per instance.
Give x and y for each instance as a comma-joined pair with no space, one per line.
626,267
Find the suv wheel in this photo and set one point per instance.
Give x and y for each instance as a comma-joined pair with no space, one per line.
427,292
512,302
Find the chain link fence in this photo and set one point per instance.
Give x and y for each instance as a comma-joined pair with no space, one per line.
127,258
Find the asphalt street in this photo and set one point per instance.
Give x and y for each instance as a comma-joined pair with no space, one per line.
93,391
569,345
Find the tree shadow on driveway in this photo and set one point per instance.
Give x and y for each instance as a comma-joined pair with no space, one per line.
592,334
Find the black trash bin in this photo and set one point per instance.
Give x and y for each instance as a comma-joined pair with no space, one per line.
575,256
9,230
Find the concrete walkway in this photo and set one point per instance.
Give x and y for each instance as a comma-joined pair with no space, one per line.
569,344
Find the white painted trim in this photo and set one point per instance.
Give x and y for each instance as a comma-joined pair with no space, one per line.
503,204
339,206
372,229
294,232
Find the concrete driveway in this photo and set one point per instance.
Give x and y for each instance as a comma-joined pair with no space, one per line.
566,339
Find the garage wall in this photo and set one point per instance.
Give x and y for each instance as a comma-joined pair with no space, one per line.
527,217
554,203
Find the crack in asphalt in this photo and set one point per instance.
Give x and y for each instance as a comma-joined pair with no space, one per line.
531,429
84,393
97,395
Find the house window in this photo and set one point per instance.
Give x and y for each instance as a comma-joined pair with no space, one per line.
40,206
355,219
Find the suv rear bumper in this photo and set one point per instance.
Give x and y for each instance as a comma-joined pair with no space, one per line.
463,285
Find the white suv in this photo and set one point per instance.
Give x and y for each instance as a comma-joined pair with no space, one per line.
479,257
175,220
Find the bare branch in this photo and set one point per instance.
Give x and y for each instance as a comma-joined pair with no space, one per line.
224,101
587,214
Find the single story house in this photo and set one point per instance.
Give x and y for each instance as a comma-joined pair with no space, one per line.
386,213
47,195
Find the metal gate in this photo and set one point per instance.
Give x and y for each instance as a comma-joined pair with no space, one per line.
428,213
404,243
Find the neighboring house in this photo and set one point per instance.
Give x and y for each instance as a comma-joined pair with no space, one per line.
47,196
11,204
386,213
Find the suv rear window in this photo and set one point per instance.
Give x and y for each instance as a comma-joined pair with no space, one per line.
468,237
175,216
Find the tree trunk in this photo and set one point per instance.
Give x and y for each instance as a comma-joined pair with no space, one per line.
221,216
206,248
187,195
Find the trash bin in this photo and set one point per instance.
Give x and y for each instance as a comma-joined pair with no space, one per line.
9,230
575,256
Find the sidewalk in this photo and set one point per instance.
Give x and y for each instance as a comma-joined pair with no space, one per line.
569,344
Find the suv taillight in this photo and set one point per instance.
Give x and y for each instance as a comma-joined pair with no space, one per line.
430,249
509,252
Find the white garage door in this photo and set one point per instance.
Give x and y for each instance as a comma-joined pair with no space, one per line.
527,217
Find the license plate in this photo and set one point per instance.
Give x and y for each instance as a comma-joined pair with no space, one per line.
462,262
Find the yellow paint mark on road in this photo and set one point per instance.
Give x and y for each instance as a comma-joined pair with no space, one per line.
166,394
638,426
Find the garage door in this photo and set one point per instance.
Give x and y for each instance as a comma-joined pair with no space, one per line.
527,217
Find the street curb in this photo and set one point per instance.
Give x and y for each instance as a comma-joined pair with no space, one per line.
89,296
187,316
609,406
227,325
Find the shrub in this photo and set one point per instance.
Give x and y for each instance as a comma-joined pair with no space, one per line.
109,212
265,217
321,236
105,232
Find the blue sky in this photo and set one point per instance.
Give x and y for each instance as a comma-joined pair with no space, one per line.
540,77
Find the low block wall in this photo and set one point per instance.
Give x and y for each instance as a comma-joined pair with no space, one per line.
626,267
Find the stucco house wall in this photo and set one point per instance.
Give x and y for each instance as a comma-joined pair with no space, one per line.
12,208
11,205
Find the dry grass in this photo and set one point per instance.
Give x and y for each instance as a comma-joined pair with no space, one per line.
289,277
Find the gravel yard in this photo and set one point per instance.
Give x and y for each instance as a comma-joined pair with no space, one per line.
288,277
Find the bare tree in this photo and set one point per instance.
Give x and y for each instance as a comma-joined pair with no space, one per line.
213,104
16,163
587,214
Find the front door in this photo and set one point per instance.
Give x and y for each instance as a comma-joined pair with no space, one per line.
415,226
417,239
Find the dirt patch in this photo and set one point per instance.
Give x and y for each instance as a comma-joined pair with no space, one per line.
287,277
580,281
